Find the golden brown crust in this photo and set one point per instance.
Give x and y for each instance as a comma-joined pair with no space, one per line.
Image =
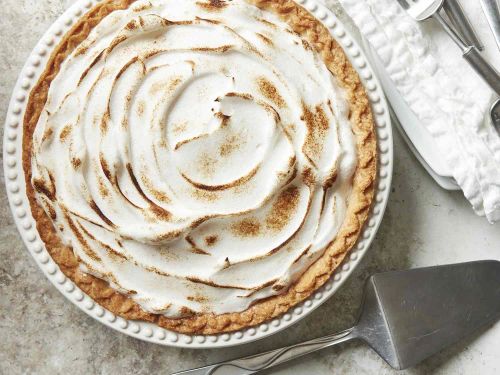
358,208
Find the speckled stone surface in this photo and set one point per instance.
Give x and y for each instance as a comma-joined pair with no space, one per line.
42,333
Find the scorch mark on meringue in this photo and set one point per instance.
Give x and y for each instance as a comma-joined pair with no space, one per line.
186,141
267,23
110,251
43,187
159,195
93,205
89,68
85,246
220,49
158,211
212,5
239,181
265,39
195,249
270,91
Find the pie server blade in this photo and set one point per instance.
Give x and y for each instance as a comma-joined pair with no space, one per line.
407,316
426,310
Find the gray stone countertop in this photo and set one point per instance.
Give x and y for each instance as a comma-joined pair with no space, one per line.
43,333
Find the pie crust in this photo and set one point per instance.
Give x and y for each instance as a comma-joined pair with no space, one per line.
314,277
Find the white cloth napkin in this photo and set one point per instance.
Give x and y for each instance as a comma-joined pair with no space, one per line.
450,100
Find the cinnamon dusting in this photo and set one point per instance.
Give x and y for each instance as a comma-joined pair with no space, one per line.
270,91
212,5
317,124
249,227
283,208
65,132
211,240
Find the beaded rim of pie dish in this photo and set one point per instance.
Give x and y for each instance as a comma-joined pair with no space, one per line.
20,206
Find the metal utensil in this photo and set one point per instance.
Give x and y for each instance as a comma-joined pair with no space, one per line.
495,115
421,10
457,16
406,317
492,11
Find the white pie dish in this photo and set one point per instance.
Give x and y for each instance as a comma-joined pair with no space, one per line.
20,206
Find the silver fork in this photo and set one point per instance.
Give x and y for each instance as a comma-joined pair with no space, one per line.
422,10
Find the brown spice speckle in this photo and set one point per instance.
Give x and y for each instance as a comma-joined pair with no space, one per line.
211,240
206,165
103,190
76,163
132,25
283,209
232,144
160,196
308,177
317,124
246,228
306,45
203,195
104,122
47,134
198,298
223,118
141,105
179,128
212,5
270,91
160,213
65,132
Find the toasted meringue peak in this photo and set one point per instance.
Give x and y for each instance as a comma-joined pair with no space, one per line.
197,155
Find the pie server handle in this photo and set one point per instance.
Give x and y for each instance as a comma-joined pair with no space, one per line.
262,361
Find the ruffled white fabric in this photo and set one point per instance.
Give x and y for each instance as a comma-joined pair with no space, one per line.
450,100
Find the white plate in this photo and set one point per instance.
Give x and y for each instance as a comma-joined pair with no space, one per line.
417,137
145,331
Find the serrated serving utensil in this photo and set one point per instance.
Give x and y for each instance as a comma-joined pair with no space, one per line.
406,317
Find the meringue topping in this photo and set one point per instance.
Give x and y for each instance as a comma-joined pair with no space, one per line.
197,155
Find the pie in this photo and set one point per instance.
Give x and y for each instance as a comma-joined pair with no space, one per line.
201,164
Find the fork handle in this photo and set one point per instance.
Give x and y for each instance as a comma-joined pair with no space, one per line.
455,12
259,362
487,72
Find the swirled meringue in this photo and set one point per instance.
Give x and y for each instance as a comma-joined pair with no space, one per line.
197,155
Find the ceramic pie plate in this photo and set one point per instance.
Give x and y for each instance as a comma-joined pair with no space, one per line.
16,191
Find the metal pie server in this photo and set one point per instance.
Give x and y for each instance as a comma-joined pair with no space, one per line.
406,317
